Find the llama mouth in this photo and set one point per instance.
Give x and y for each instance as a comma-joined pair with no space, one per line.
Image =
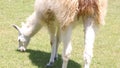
22,49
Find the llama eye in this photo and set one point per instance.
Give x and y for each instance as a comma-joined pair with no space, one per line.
18,40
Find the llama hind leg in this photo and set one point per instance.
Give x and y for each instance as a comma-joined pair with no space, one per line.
58,40
90,31
66,38
53,42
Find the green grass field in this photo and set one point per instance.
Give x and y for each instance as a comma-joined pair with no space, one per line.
106,49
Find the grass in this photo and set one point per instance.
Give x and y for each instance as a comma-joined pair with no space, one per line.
106,50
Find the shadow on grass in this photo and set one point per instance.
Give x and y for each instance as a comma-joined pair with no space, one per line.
40,59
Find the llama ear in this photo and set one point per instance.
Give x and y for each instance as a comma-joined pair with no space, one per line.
16,27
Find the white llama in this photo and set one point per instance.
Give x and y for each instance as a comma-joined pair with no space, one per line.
59,16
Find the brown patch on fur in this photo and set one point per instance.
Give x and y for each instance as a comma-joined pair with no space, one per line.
49,16
67,13
88,7
93,8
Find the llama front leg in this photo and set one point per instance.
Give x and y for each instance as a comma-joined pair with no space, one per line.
66,38
58,40
53,42
90,30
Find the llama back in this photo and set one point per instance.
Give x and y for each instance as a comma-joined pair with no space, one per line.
66,10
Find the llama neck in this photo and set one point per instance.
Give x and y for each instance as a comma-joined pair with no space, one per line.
30,31
32,25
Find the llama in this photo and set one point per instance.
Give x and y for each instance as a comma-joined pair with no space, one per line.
59,17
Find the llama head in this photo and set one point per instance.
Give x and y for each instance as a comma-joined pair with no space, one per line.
22,39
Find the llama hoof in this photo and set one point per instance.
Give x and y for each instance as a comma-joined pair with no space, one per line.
49,65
